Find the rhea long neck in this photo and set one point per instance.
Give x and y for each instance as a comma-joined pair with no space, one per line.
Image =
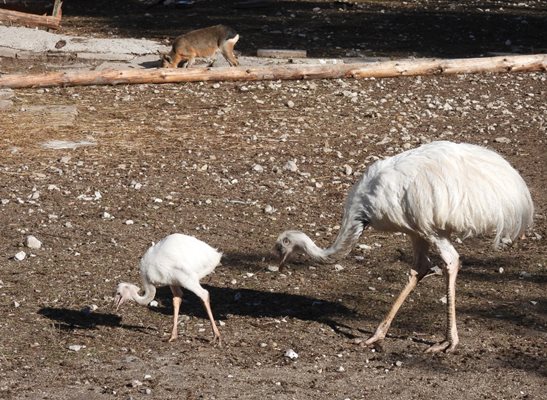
149,293
345,240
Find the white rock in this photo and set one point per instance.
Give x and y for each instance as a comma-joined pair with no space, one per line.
338,267
153,303
20,256
291,166
32,242
136,383
4,201
398,363
500,270
269,209
348,170
273,268
129,222
290,104
16,304
290,353
502,139
147,377
106,215
443,300
76,347
53,187
258,168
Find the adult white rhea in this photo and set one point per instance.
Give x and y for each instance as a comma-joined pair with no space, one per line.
429,193
176,261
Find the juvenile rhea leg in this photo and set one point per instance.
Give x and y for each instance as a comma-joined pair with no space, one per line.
204,296
177,300
422,265
452,259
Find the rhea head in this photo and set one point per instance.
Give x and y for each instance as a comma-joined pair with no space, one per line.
287,243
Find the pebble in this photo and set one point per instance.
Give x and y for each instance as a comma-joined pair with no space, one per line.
76,347
32,242
258,168
269,209
502,139
398,363
290,353
291,166
348,170
153,303
273,268
20,256
338,267
289,104
129,222
106,215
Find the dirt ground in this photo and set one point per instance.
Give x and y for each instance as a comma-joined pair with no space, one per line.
210,160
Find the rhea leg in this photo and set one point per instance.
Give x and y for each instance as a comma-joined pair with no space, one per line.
452,260
204,296
420,270
177,300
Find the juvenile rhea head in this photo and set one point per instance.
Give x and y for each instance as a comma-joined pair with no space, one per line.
288,243
124,292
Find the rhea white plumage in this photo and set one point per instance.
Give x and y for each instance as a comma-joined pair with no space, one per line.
176,261
429,193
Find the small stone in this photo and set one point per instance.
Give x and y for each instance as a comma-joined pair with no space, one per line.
269,209
76,347
216,85
398,363
32,242
129,222
348,170
500,270
502,139
291,166
147,377
290,353
106,215
338,268
20,256
443,300
148,391
16,304
289,104
4,201
525,275
273,268
341,369
533,302
258,168
153,303
136,383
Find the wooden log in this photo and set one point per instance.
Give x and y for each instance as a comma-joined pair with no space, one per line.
281,53
383,69
30,19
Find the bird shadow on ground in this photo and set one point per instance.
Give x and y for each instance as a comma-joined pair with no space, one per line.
260,304
67,319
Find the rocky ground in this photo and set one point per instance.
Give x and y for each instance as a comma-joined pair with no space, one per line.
96,174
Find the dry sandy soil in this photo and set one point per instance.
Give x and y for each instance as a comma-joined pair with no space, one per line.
209,160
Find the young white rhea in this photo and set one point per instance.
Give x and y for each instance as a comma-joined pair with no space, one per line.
429,193
176,261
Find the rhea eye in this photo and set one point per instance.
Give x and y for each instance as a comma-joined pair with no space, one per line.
286,241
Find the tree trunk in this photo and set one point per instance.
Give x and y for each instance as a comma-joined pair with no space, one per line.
30,19
519,63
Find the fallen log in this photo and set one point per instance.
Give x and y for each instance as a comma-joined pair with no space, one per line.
383,69
52,22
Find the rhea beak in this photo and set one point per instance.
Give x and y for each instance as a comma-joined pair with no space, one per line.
118,301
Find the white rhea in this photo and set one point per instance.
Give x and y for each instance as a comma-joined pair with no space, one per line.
176,261
429,193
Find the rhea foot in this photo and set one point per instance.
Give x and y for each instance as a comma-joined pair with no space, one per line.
447,346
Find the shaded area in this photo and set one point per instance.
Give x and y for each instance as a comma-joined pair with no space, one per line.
257,304
67,319
328,29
